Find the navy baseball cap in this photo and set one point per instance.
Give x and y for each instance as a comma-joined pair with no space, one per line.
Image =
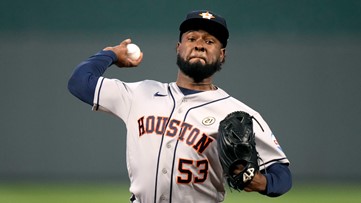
208,21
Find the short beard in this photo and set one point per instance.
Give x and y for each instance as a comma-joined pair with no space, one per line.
197,71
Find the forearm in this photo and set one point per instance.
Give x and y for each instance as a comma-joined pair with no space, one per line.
83,80
279,180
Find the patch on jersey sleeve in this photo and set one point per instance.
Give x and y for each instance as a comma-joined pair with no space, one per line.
276,142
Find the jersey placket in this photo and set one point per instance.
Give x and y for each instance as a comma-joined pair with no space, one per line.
167,154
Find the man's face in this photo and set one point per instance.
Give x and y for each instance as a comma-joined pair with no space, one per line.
199,54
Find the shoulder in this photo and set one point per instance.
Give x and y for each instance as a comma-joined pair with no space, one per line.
240,106
150,85
136,84
153,83
233,104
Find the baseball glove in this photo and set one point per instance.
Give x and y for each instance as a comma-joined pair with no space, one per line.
237,149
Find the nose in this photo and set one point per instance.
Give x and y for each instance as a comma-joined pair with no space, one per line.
199,47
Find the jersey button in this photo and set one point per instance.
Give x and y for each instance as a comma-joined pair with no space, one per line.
163,198
169,145
164,171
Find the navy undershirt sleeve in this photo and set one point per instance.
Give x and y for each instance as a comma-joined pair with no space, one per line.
83,81
279,180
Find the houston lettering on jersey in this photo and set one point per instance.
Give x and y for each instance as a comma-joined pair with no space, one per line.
186,132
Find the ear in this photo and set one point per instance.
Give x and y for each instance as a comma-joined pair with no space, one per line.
177,47
223,55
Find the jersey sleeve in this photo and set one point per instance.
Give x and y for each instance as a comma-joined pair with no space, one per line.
114,96
84,78
267,145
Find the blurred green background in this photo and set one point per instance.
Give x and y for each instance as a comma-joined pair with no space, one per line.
296,62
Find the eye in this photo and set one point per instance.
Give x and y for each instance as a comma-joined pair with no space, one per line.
191,39
209,41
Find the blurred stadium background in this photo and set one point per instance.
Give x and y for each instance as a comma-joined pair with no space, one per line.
297,62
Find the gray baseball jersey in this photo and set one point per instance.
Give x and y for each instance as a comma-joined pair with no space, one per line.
171,138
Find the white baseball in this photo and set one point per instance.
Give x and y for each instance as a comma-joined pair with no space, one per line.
133,51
